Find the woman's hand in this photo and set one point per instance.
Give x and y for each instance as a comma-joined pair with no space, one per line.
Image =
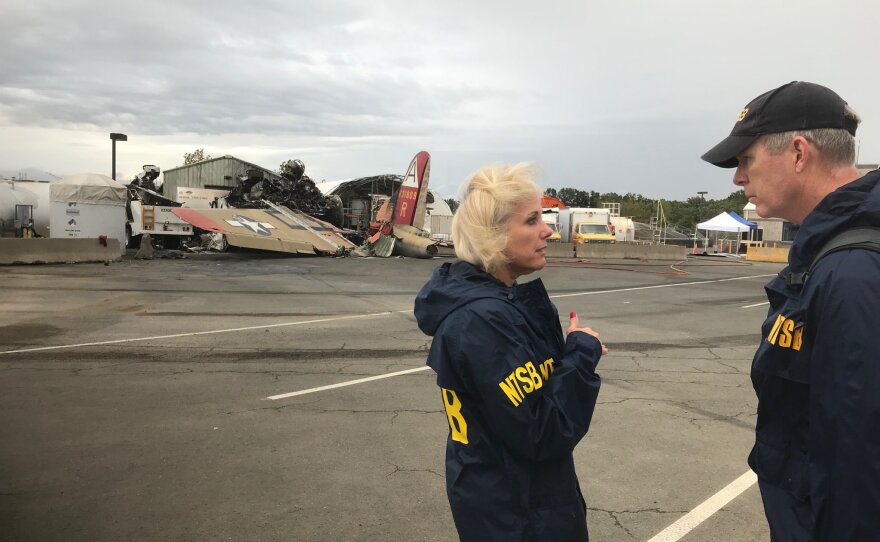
573,326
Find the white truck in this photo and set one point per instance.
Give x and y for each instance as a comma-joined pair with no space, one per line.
151,212
165,227
551,218
579,225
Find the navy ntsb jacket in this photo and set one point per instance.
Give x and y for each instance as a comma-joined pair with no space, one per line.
518,398
817,378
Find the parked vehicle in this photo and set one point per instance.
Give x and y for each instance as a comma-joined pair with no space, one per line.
551,218
159,221
151,212
579,225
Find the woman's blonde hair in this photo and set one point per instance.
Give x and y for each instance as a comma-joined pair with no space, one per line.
487,202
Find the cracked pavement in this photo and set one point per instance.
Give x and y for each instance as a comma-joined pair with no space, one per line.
175,438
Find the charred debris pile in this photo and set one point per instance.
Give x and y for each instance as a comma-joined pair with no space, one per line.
294,190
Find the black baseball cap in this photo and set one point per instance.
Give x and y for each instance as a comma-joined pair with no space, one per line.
796,106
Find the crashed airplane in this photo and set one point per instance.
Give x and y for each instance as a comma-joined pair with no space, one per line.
275,228
252,216
400,221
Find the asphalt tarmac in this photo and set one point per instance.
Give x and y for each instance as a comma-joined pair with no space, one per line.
135,399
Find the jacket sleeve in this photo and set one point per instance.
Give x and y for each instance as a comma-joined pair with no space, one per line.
540,408
845,396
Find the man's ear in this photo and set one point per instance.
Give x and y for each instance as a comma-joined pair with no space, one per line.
803,151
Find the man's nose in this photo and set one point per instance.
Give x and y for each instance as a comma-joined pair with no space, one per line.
739,176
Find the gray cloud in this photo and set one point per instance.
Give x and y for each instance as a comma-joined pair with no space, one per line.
604,95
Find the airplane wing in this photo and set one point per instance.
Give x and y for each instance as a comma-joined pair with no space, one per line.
277,229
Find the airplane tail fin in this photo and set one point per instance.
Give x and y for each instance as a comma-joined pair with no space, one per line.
411,199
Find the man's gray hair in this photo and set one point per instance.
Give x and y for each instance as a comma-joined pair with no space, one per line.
836,145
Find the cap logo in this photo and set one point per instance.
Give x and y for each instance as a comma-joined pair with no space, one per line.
742,114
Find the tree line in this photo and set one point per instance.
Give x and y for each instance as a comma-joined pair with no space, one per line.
685,215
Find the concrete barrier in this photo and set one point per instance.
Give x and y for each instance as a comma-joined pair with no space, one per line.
628,251
46,250
560,250
767,254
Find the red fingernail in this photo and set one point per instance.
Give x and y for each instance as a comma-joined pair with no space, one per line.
572,315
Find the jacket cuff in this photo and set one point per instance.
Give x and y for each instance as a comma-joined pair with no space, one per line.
582,347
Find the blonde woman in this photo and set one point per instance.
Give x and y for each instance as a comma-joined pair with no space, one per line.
518,394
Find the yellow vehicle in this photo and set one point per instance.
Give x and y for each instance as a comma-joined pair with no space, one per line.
585,232
555,237
586,225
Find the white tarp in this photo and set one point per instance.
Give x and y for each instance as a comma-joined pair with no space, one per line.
87,205
724,222
88,188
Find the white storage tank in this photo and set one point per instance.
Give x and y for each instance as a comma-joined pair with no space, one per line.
624,229
30,193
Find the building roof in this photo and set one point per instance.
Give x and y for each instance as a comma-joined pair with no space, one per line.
224,157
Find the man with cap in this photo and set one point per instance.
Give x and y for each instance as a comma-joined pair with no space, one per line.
817,370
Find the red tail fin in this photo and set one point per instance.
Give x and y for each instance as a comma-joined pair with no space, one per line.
409,205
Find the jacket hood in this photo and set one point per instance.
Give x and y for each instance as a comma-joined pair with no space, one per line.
451,286
851,205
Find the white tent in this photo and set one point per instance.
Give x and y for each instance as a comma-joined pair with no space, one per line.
727,222
87,205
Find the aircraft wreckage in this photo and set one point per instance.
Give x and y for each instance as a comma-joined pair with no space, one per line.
292,215
399,221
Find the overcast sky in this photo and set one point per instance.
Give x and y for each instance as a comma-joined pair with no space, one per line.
609,95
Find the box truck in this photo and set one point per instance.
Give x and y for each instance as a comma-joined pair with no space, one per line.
579,225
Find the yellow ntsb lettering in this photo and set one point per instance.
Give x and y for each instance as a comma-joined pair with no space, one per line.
786,333
523,376
547,367
510,389
524,380
457,425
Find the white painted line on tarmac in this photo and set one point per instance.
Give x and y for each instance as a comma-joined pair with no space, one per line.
194,333
349,383
370,379
701,513
755,305
338,318
664,286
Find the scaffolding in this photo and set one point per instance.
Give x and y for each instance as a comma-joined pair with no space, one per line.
659,225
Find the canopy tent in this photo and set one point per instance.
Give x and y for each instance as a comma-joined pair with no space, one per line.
727,222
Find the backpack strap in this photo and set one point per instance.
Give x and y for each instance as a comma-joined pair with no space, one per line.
862,237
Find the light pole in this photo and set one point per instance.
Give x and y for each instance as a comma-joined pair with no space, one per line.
700,205
114,138
702,195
